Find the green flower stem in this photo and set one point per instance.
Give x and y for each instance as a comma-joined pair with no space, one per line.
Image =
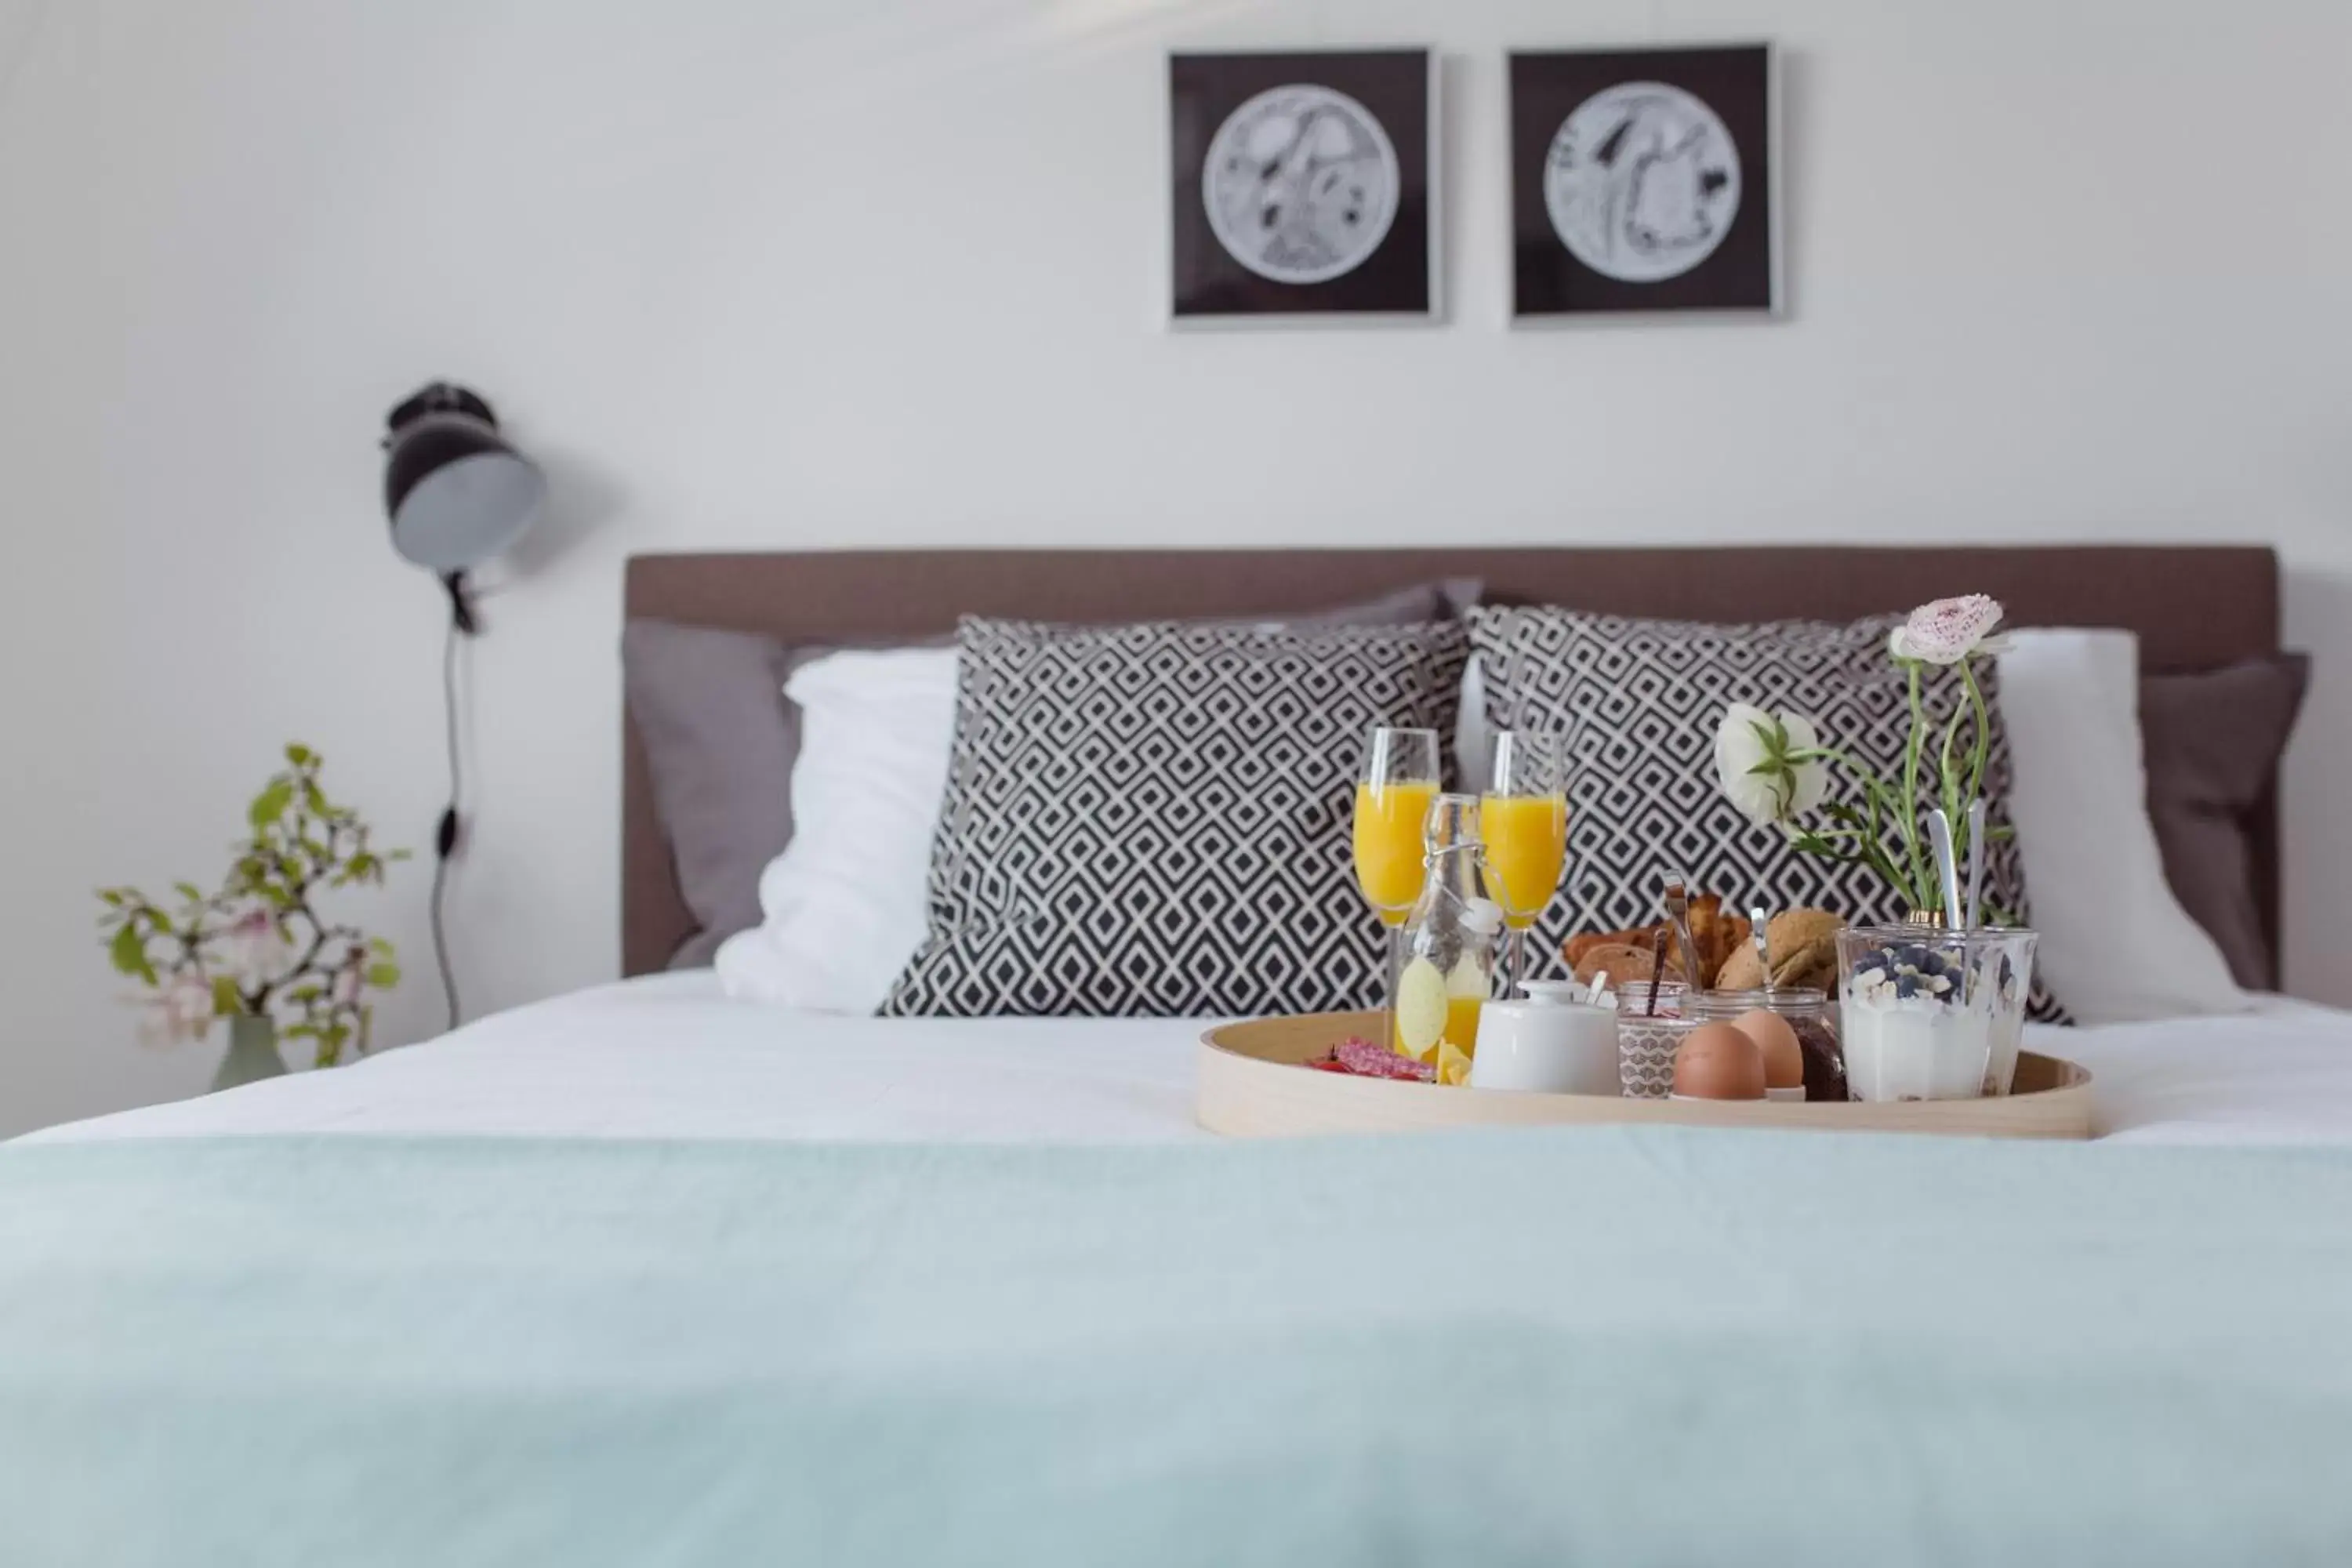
1947,776
1876,795
1911,750
1984,729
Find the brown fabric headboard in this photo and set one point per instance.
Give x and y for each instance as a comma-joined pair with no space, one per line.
2193,607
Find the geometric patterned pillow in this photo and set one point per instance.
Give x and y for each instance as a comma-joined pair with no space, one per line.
1154,820
1639,701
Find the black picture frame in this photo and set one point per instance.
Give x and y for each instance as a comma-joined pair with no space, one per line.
1397,280
1738,266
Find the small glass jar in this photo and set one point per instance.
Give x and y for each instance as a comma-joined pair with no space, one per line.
1808,1012
1647,1040
1933,1014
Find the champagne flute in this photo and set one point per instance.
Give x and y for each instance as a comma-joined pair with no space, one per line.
1393,791
1525,815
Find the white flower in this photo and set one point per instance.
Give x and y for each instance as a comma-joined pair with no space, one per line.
254,948
1751,763
1948,630
181,1009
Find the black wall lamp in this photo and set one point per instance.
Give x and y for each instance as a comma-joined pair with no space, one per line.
456,491
458,494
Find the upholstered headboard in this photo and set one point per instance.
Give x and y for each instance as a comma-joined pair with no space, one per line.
2193,607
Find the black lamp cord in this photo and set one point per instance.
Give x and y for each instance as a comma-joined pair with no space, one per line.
445,836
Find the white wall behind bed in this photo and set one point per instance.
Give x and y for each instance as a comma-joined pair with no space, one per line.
886,271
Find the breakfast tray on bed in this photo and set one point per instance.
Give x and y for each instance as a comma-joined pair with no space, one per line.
1252,1083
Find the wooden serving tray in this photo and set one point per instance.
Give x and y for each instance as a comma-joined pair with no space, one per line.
1251,1085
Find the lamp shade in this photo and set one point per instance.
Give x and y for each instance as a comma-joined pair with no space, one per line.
458,493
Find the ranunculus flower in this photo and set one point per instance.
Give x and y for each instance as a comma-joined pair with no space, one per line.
1751,762
181,1009
1948,630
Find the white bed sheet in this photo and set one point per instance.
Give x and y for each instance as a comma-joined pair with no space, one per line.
669,1056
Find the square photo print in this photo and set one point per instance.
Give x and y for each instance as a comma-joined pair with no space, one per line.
1303,186
1643,180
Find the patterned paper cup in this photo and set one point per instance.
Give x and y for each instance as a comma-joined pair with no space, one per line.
1646,1042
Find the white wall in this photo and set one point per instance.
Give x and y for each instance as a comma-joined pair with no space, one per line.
817,272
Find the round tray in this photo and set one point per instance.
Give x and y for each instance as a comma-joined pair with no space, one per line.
1251,1085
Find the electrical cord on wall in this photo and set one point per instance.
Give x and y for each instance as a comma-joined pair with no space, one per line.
445,836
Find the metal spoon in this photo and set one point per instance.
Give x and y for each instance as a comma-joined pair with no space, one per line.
1976,862
1948,867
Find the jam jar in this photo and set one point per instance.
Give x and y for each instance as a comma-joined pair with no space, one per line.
1808,1012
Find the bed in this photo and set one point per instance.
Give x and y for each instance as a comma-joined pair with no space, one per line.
641,1275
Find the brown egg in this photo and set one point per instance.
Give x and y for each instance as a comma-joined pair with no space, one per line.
1718,1061
1784,1058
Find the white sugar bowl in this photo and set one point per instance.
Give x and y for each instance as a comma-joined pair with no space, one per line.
1552,1043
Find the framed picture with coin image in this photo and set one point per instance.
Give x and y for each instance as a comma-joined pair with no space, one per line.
1304,186
1645,180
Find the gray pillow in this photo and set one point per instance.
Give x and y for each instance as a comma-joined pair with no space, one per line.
2214,740
720,741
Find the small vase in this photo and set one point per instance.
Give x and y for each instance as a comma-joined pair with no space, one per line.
252,1052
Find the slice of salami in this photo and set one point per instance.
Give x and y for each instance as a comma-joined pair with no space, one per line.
1366,1059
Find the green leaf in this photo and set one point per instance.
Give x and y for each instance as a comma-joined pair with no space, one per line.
129,950
113,896
189,891
271,803
383,976
1995,834
226,1003
378,944
300,755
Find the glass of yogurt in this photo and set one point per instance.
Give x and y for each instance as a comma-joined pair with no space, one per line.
1933,1014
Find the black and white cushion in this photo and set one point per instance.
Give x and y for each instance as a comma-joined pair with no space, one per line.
1155,819
1640,701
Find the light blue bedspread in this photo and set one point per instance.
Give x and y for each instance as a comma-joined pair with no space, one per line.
1596,1346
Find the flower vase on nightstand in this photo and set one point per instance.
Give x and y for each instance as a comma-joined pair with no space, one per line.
260,953
252,1053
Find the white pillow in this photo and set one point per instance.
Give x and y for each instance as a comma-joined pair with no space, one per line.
1472,738
844,905
2116,946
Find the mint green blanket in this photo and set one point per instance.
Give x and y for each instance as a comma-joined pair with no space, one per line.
1602,1346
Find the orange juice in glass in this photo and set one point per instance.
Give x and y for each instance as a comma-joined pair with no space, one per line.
1524,814
1387,845
1393,791
1527,846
